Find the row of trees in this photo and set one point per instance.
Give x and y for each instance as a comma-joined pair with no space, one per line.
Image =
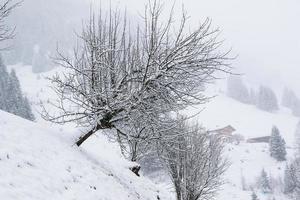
290,100
11,97
264,98
134,81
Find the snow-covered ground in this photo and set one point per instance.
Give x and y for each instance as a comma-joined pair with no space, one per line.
247,159
36,153
38,162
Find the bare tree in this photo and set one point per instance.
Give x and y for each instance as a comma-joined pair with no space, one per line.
147,70
195,163
6,8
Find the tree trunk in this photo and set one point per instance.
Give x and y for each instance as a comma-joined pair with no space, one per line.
87,135
136,170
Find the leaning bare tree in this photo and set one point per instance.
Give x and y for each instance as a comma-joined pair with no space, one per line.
122,71
194,161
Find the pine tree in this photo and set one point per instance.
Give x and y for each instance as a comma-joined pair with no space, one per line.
254,196
27,112
290,100
289,185
4,77
297,138
253,96
11,96
15,98
264,183
277,145
266,99
237,90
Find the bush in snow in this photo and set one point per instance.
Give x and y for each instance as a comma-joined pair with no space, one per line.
277,145
266,99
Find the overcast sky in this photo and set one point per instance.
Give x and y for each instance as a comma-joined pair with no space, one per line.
263,33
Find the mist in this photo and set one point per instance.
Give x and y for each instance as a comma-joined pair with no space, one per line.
263,36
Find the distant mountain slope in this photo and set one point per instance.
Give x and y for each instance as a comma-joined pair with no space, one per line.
248,159
246,119
40,163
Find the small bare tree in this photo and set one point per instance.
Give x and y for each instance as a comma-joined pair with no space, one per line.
195,162
117,73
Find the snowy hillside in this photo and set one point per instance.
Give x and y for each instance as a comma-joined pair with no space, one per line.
39,162
248,159
246,119
91,168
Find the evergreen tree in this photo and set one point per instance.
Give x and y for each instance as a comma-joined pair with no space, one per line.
277,145
264,183
4,77
11,97
290,100
253,96
297,138
266,99
15,97
237,90
40,61
289,185
27,112
254,196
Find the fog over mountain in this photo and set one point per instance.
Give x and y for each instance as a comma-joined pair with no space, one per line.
263,35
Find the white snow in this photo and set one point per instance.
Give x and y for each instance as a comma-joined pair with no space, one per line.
38,162
247,159
43,164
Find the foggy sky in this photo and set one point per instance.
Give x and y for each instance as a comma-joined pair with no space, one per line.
263,33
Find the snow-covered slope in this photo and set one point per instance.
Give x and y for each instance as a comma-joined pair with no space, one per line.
247,160
38,162
246,119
